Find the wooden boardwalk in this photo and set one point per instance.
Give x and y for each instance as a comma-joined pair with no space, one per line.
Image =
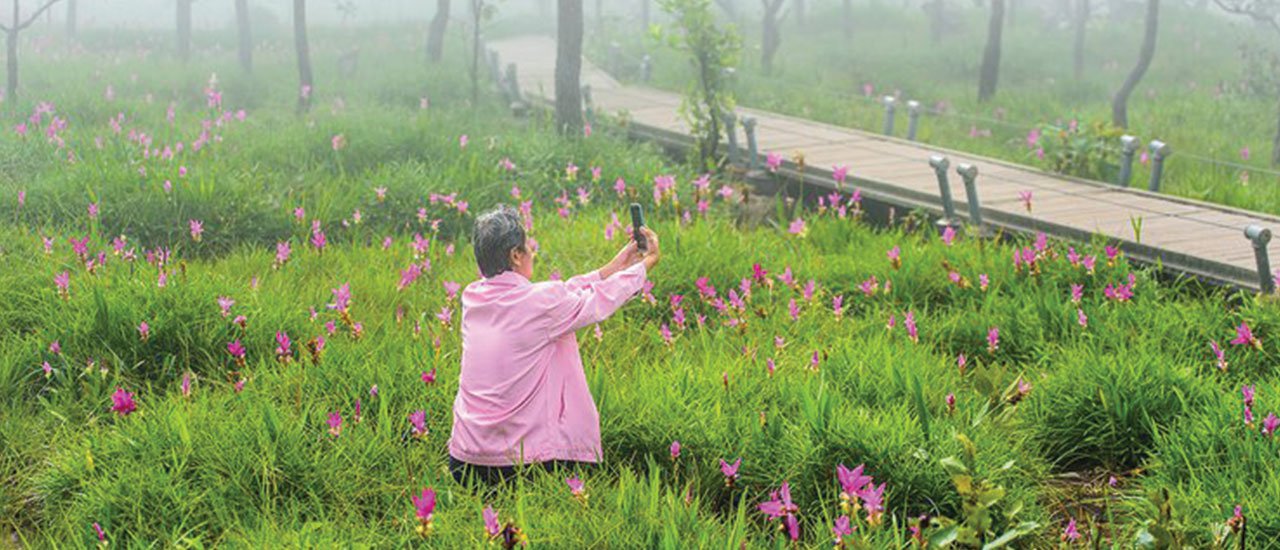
1197,238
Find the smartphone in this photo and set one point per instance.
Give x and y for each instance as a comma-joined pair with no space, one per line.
637,222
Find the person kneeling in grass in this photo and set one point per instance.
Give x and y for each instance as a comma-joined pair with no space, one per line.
522,394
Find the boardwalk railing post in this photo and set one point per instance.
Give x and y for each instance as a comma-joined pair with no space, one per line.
731,130
1260,236
889,102
749,127
969,173
1128,146
913,119
513,84
940,165
1159,150
646,68
588,105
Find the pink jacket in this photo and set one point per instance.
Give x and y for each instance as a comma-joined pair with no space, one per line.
522,394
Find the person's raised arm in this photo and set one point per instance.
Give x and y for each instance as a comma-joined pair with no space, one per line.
577,305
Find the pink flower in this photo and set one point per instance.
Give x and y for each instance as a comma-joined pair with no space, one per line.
837,306
1244,335
576,487
429,377
284,347
102,535
1070,534
186,385
842,528
418,422
951,403
961,361
63,282
993,339
948,235
797,227
1025,196
773,161
144,331
779,505
451,289
814,361
341,298
122,402
236,349
1033,138
909,321
794,310
93,210
1269,424
424,507
1219,355
1082,318
730,471
197,229
839,172
1077,293
462,141
491,525
339,142
675,450
873,503
665,332
335,423
1244,153
852,482
1247,395
895,257
445,316
225,303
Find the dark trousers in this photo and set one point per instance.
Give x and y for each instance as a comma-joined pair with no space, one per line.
492,475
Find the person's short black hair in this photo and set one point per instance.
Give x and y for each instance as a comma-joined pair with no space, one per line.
497,233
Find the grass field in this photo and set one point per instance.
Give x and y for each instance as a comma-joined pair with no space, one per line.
827,352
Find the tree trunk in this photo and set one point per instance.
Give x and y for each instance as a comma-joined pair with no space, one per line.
304,55
11,60
933,10
435,33
770,37
1120,105
71,19
569,67
1077,51
1275,142
599,17
477,14
847,17
184,30
245,35
990,74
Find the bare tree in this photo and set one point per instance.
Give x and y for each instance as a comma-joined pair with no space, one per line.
245,35
71,19
989,75
569,67
1264,12
771,36
303,48
11,32
1077,50
184,30
435,33
477,17
1120,104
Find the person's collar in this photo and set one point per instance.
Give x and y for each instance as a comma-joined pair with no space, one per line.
508,278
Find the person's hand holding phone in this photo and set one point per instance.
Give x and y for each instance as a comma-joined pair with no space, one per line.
651,254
